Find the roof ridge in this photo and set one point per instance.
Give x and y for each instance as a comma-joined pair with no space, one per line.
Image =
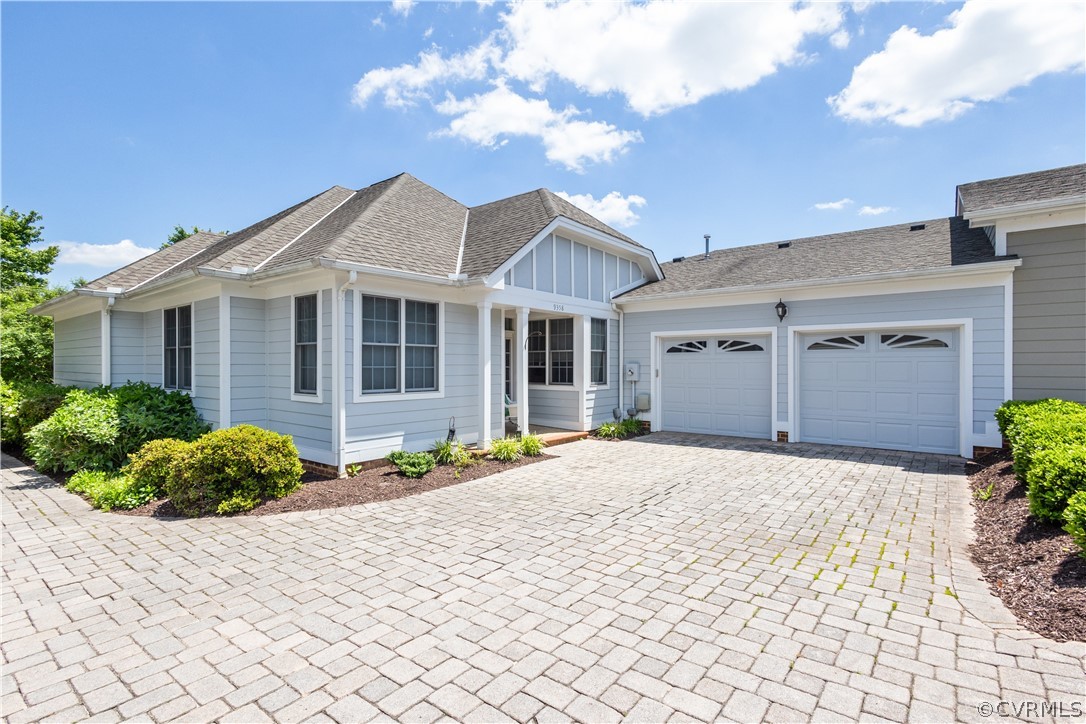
548,204
350,195
1077,166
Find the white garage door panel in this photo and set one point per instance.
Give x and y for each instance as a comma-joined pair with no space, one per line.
881,388
720,386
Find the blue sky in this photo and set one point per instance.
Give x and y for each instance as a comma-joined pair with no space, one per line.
121,120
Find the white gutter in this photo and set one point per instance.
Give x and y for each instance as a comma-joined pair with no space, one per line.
950,271
1027,207
396,273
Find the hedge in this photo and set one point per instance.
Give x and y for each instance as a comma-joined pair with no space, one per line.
25,404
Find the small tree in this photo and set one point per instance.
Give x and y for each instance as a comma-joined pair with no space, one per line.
179,233
26,339
19,264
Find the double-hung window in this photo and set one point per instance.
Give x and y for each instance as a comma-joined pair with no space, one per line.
537,351
599,352
399,345
305,344
561,351
177,348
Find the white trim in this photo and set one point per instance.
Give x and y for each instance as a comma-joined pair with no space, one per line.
107,343
550,303
656,365
575,228
589,384
150,279
191,391
225,401
391,273
957,277
295,396
339,362
463,238
521,336
325,457
359,397
309,228
1008,339
1015,224
965,367
485,381
986,217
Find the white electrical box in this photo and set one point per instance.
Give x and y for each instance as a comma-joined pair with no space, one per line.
633,372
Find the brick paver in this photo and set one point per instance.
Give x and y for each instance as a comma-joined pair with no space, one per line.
674,576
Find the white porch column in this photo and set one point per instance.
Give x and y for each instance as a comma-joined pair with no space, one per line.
107,342
486,384
582,358
522,369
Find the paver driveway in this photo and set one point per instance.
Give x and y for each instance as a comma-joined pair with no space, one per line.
672,577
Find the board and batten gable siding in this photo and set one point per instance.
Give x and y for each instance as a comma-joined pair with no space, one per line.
309,423
601,400
248,380
375,427
1050,313
77,350
126,347
572,269
984,305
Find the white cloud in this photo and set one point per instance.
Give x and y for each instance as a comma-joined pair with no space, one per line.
428,32
488,120
103,255
840,39
659,55
987,49
402,7
378,22
484,4
874,210
614,208
405,84
833,205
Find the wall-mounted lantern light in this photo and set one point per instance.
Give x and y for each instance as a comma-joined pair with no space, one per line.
782,310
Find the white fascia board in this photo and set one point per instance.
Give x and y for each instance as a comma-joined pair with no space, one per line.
986,217
576,229
967,276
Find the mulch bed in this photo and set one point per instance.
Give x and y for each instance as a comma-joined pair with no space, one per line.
1033,567
369,486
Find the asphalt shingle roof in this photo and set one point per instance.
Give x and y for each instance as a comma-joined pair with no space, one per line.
142,270
940,243
1057,183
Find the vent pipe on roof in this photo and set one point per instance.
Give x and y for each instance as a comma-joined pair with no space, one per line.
706,246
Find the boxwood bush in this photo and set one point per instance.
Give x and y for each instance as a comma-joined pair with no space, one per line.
24,404
1055,474
415,465
1075,518
97,429
232,470
152,465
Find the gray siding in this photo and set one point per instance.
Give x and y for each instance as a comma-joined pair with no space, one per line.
984,305
248,381
375,427
152,347
1050,313
77,350
309,423
555,406
205,359
126,347
600,401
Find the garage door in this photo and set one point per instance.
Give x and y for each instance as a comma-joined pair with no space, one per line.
889,389
717,386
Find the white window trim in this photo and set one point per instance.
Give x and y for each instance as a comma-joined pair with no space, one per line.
356,349
191,392
295,396
607,356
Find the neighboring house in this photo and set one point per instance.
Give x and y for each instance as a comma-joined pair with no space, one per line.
362,321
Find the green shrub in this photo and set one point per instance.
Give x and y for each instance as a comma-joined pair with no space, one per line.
107,490
396,456
1014,415
24,404
505,449
1055,474
609,430
451,452
532,445
1043,428
1075,518
154,464
83,434
629,427
232,470
415,465
97,429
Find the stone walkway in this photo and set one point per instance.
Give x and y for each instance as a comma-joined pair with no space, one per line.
674,577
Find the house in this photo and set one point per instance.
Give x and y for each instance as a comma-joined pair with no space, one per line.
365,321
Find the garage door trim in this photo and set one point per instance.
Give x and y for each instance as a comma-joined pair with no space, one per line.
964,327
656,349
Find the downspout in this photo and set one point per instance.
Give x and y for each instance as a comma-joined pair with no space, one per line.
339,366
621,359
106,342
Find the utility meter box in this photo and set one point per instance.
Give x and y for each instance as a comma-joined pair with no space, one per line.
633,372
